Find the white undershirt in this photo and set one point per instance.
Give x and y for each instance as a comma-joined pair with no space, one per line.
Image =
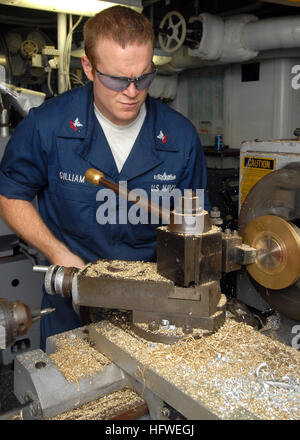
121,138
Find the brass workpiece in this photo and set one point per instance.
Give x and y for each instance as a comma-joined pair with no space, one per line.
278,251
276,194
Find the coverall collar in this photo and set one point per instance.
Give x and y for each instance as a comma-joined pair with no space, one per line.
80,122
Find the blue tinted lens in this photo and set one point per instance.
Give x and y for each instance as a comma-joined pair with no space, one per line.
121,83
113,83
144,81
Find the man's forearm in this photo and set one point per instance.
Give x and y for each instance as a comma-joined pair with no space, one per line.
22,217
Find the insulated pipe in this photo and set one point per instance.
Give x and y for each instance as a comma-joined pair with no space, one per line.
234,40
272,33
213,31
222,41
61,42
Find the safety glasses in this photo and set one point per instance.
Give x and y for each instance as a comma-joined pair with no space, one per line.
120,83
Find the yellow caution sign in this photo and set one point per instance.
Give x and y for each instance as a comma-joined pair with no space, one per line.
253,168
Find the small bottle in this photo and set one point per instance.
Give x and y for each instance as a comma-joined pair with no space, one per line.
219,142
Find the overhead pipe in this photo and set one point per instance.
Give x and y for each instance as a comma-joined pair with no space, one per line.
272,33
234,40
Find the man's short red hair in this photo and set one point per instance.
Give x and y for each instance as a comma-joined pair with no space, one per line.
120,24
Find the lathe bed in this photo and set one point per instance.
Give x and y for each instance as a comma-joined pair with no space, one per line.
235,373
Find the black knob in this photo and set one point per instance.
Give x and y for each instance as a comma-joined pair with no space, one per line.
297,132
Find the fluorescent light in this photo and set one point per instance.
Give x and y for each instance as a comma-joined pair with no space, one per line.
76,7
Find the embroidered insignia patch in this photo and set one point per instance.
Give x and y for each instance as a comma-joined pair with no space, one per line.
74,125
162,137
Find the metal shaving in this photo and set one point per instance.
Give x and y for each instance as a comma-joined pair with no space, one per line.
75,358
233,369
138,270
104,408
171,330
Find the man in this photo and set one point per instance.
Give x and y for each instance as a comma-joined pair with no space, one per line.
110,124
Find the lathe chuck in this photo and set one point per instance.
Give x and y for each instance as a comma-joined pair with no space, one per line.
278,243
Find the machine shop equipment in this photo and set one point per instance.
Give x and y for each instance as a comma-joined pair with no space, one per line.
19,282
16,319
191,261
269,221
16,257
191,256
183,288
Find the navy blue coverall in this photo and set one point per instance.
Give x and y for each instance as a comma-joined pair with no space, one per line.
48,155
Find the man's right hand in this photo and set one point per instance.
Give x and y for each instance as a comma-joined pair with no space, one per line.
66,258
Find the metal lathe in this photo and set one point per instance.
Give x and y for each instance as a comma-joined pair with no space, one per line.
175,300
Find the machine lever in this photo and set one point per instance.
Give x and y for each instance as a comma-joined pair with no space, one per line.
40,268
96,177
